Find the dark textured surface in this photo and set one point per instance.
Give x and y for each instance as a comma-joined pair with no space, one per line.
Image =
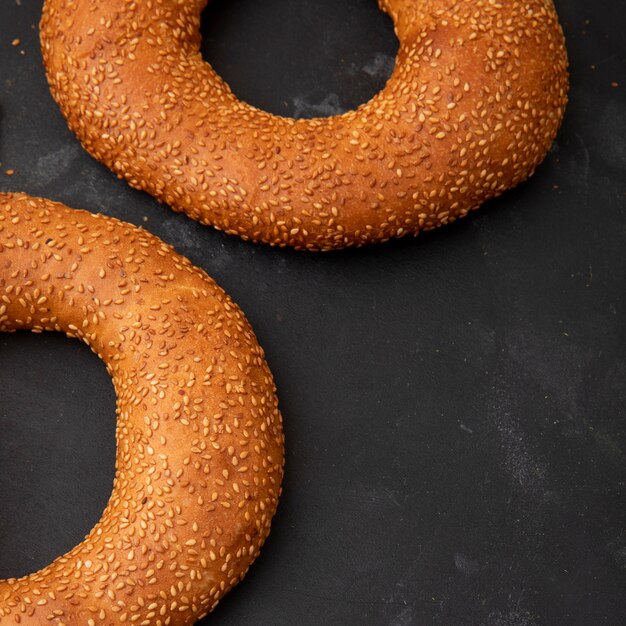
454,405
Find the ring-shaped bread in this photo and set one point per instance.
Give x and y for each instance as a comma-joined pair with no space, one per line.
472,107
199,438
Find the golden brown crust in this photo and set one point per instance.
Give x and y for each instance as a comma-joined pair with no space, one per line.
199,435
473,105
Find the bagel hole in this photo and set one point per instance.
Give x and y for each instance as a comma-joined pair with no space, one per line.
57,447
300,59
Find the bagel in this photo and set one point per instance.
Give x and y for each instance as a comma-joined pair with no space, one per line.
199,436
475,100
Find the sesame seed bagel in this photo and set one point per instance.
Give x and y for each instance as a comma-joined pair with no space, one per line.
199,437
474,102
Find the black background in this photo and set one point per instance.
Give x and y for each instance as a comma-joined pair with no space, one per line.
454,405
